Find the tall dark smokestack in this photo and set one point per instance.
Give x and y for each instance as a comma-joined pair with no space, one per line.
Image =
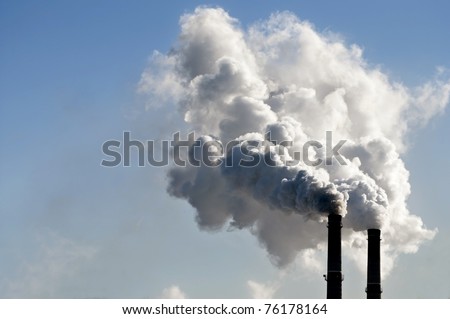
373,289
334,272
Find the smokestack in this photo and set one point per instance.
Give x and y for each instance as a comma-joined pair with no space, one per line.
373,289
334,271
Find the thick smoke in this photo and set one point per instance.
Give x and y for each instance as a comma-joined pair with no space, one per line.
279,81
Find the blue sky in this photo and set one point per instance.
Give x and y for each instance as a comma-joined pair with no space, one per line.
71,228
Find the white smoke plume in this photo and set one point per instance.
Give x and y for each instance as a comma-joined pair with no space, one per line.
262,290
281,80
173,292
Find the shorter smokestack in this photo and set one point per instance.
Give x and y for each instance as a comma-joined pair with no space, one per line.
334,272
373,289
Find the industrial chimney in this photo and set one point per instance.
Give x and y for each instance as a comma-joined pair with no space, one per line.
334,271
373,289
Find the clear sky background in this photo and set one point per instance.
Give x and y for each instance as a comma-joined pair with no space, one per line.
71,228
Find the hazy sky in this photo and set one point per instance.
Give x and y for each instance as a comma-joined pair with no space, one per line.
69,73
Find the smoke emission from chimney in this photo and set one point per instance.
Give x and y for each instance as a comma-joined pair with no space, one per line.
283,78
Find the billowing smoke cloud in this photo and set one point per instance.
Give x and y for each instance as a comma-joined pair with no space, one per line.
173,292
281,80
262,290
